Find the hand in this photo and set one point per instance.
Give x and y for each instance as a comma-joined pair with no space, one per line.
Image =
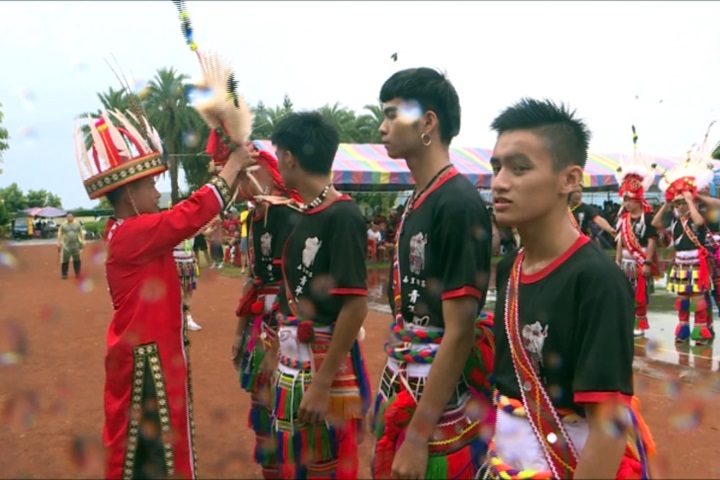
688,197
411,459
237,351
242,157
646,270
314,404
269,362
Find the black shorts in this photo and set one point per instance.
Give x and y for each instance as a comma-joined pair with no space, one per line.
200,244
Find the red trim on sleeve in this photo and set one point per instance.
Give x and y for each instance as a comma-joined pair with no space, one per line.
462,292
537,276
359,292
277,261
602,397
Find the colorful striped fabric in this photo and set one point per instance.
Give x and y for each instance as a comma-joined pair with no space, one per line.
367,167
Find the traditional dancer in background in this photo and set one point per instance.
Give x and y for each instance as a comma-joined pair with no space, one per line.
585,214
423,428
188,273
690,274
636,250
254,351
561,301
71,241
149,424
320,389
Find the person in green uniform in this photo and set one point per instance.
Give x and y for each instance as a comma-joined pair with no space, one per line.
70,242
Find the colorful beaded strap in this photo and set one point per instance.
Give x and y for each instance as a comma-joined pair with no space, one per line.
516,408
408,355
417,336
292,363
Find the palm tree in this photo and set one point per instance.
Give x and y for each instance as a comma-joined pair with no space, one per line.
170,114
266,119
716,152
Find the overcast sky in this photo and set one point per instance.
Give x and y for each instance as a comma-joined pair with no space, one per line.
597,56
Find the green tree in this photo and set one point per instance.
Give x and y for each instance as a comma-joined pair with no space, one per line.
368,124
4,137
716,152
375,202
103,204
42,198
266,119
14,198
169,113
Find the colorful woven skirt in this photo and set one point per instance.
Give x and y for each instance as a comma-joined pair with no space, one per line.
187,273
328,448
459,441
685,275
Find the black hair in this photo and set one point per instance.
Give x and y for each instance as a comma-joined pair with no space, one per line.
312,138
566,136
433,91
113,196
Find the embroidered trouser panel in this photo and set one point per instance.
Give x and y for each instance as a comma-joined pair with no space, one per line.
699,305
149,461
630,267
456,448
187,273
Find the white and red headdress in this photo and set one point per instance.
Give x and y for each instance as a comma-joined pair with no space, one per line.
111,151
635,175
694,174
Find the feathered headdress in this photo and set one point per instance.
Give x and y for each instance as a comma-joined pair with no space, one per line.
220,105
694,174
112,151
635,175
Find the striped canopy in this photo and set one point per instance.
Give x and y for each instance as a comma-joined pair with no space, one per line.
367,167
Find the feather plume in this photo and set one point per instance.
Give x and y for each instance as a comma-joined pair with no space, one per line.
636,164
223,106
97,142
81,152
116,137
127,125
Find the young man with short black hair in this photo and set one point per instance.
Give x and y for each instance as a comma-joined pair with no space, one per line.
564,313
322,306
423,427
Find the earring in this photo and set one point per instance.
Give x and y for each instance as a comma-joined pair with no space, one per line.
425,139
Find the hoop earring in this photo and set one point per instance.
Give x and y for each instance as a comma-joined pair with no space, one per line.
425,139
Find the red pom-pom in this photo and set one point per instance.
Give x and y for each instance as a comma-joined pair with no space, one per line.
305,331
257,308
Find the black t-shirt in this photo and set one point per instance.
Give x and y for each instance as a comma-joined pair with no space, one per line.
577,317
643,229
324,260
584,214
444,249
681,242
268,239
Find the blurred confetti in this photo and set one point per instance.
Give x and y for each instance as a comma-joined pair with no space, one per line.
86,285
50,313
27,133
652,347
191,139
79,65
153,290
197,95
687,415
21,406
88,454
409,112
13,344
27,94
672,386
7,259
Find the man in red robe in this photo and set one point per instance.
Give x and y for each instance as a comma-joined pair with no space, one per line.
149,424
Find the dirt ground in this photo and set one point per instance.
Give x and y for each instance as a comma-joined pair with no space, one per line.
51,375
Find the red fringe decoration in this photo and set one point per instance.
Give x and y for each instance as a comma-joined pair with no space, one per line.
257,307
305,331
643,324
216,148
348,461
397,417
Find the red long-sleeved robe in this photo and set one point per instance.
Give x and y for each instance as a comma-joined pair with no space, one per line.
146,341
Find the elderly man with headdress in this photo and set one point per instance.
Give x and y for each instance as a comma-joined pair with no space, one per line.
149,425
254,350
148,406
690,274
637,238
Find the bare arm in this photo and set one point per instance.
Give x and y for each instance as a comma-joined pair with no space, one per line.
602,223
657,220
603,451
618,250
696,216
652,246
457,342
60,236
712,201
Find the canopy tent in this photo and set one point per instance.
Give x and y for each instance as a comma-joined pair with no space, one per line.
45,212
367,167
